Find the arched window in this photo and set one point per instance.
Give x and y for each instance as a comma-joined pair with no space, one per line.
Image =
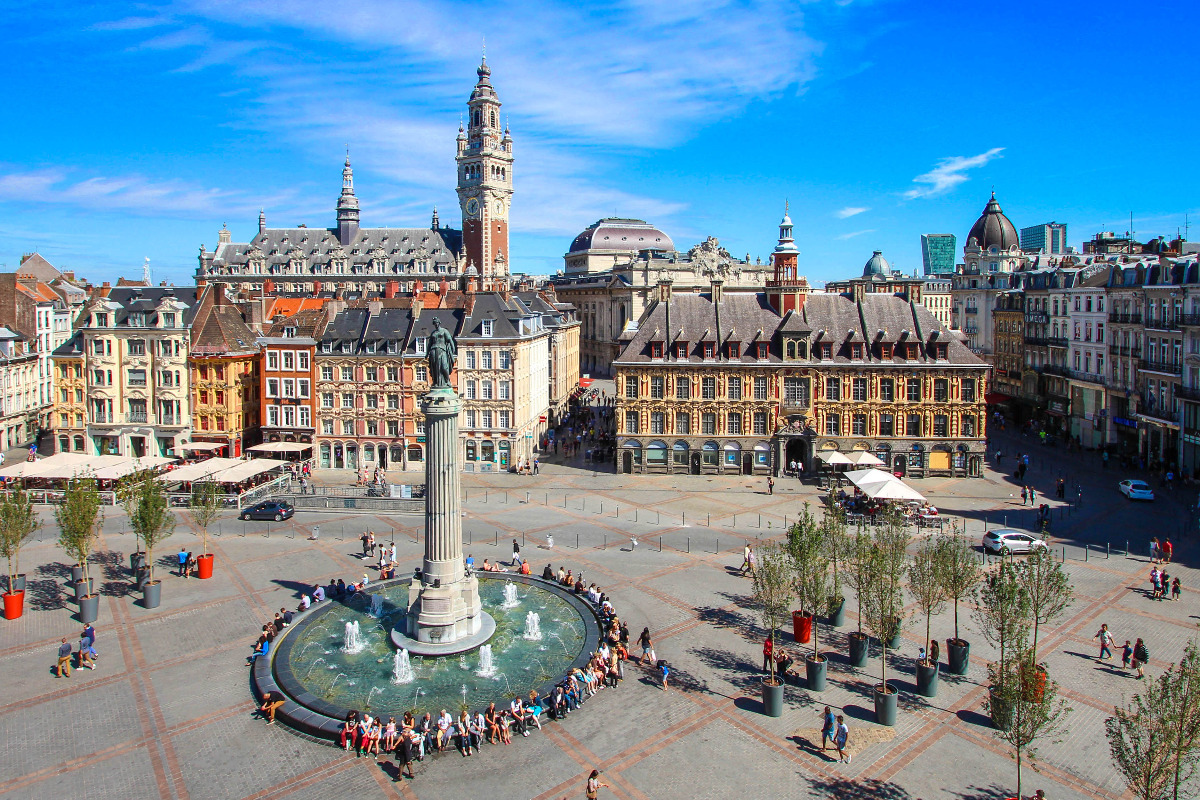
493,119
78,444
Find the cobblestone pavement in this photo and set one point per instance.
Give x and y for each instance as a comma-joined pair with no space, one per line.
167,713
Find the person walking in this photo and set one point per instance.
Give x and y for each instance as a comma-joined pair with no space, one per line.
647,645
1024,495
89,633
183,557
1061,488
1175,589
841,737
1140,656
1106,640
935,652
366,538
747,560
1167,550
828,726
1032,496
768,653
1126,654
316,533
64,658
537,465
594,785
770,486
516,551
1155,551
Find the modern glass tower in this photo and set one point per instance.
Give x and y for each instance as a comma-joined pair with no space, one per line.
1048,238
938,253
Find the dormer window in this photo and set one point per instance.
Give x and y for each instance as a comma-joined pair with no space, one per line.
763,350
885,351
656,349
681,350
289,333
735,349
826,351
420,345
939,351
326,347
168,320
102,320
856,352
489,326
710,349
910,352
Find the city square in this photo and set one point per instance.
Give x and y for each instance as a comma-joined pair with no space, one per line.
168,712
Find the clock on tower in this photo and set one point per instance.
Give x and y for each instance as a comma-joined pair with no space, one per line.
485,184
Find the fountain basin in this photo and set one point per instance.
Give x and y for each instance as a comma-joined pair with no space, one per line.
487,629
308,708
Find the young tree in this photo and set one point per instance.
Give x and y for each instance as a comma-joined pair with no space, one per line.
18,521
837,544
958,571
1002,610
923,582
1035,710
773,590
808,551
1047,587
77,516
856,555
150,518
1183,714
883,597
204,505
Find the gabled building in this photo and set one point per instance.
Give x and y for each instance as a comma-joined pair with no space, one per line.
223,365
19,385
287,367
68,417
990,257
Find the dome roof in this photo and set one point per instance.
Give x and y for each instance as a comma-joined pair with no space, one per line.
993,229
877,266
613,233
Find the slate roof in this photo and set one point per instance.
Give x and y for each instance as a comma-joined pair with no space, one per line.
71,348
834,318
398,248
124,300
222,331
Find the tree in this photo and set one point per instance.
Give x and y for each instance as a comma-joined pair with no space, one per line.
150,519
204,505
923,582
958,571
1047,588
18,521
773,590
77,517
1002,610
1034,708
1183,714
837,544
808,551
882,599
856,555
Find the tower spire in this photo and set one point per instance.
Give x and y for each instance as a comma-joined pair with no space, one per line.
347,207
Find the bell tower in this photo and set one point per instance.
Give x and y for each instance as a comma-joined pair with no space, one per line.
786,290
485,184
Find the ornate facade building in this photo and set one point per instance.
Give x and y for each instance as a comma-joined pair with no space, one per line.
223,362
719,382
388,261
288,377
18,389
135,348
610,301
1009,318
991,255
69,415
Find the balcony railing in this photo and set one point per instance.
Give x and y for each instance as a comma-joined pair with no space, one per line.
1127,319
136,416
169,419
1118,350
1054,369
1161,366
1170,323
1150,407
971,310
1057,341
1187,392
1188,319
103,419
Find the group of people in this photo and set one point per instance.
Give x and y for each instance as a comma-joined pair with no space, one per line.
188,565
1133,656
85,657
1161,582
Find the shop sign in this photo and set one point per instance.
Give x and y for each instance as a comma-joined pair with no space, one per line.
1126,423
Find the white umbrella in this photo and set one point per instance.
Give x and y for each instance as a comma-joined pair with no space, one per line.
896,490
832,457
862,478
864,458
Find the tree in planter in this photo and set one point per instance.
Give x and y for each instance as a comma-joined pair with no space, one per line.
808,550
18,521
150,518
883,597
856,555
773,591
924,585
958,572
1047,588
204,505
837,544
1002,610
77,516
1034,708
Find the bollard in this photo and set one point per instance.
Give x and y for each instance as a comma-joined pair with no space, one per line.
243,530
1087,548
605,545
689,544
601,507
577,541
506,498
760,520
717,546
684,515
1107,549
709,523
342,535
657,517
268,533
660,544
547,500
527,497
496,539
1127,548
564,501
522,538
1064,555
735,520
485,495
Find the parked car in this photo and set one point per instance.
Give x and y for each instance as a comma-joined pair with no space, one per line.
271,509
1136,490
1005,541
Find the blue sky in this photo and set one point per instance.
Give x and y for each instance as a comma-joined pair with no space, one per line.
136,129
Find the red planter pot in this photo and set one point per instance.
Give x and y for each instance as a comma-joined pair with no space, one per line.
204,566
14,604
802,623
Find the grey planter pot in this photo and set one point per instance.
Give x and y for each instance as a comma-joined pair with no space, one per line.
1000,711
837,612
136,561
816,673
76,573
16,586
89,608
894,642
885,707
858,649
140,577
772,698
151,594
958,656
83,588
927,680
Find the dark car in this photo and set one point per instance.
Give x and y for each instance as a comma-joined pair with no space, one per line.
271,509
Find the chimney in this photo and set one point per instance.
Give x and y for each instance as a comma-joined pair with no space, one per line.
664,290
219,294
717,290
390,289
374,307
418,287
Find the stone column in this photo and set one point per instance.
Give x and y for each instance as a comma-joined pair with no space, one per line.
443,518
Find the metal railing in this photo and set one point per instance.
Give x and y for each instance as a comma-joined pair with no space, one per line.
1160,366
1127,319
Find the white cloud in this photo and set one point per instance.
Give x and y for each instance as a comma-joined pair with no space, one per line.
846,236
948,173
850,211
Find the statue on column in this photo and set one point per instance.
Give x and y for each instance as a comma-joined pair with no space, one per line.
441,352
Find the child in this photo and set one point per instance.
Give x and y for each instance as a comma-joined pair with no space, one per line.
1126,654
665,668
1175,589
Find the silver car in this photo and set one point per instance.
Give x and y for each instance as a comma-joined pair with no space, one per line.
1005,541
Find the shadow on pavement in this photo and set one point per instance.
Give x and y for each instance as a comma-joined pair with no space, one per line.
846,789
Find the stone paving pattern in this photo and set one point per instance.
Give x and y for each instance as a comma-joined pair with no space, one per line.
168,711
